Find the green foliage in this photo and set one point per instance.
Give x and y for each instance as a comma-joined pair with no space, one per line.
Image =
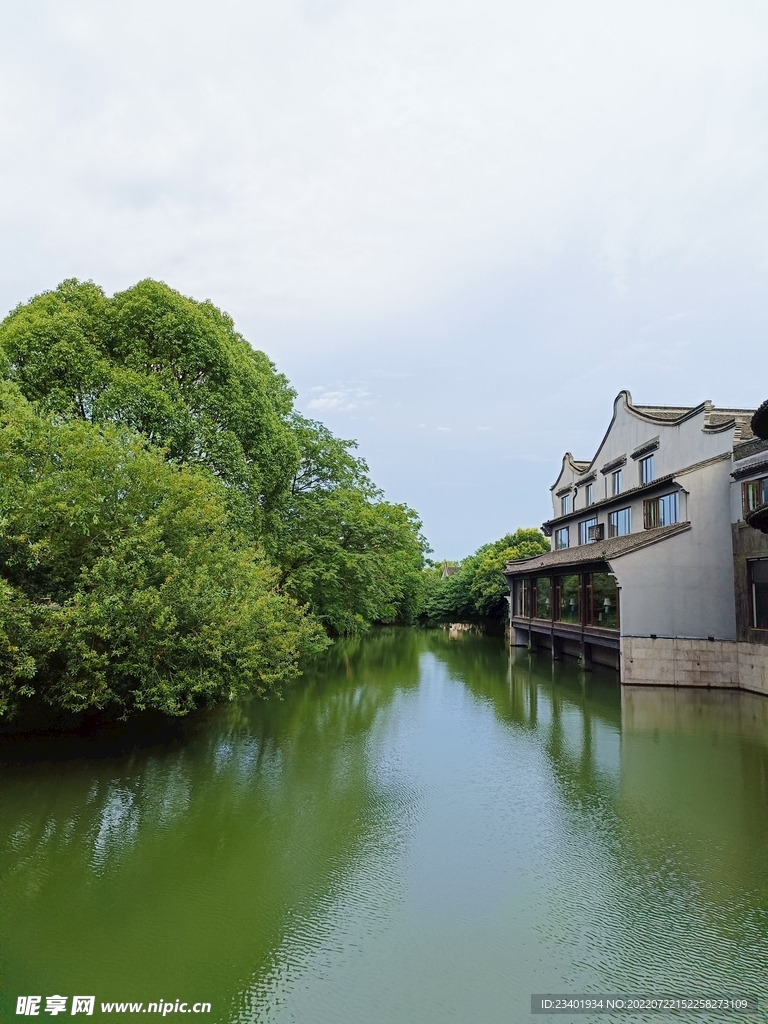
173,369
171,533
479,590
352,557
126,586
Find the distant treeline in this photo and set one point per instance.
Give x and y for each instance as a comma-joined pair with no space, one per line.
172,532
475,590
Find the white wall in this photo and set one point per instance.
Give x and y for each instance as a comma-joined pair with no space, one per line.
683,586
680,445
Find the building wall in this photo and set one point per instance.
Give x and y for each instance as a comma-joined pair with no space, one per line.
683,586
680,445
747,544
701,663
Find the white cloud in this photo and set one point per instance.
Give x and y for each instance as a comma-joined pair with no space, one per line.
340,399
503,211
350,156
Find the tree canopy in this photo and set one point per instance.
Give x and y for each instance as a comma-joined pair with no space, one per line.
172,532
478,591
125,586
352,556
168,367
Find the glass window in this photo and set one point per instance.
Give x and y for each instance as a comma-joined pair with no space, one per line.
589,495
543,597
661,511
646,469
758,573
604,601
755,493
616,482
568,598
521,601
584,530
562,538
620,522
669,509
565,505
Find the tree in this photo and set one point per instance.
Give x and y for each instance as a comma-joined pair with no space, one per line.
489,588
125,584
478,591
173,369
352,557
168,525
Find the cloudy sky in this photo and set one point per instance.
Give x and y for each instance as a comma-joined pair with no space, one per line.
459,226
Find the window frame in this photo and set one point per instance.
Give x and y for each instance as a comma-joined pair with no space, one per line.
590,602
565,504
558,535
535,599
647,463
613,531
762,486
584,530
522,594
558,602
652,511
616,482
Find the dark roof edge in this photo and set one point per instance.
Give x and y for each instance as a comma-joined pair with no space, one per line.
597,552
760,421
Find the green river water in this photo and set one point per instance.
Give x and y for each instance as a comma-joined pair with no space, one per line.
424,830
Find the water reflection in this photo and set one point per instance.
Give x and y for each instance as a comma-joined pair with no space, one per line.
425,828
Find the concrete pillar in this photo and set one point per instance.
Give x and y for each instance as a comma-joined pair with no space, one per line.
557,648
585,657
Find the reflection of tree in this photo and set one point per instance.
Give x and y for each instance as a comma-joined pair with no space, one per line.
213,849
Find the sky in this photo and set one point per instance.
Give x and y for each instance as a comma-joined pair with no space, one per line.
460,228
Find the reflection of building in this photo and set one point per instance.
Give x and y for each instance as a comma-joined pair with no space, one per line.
641,571
749,513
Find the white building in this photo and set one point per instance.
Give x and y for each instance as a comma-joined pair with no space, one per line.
645,540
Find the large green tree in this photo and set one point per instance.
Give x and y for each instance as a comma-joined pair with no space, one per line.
125,585
479,591
173,369
353,557
171,532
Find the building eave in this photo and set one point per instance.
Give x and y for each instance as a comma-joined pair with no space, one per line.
599,551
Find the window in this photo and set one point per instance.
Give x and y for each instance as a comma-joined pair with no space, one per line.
589,498
620,523
521,600
661,511
584,530
543,597
616,482
565,505
754,493
562,539
758,576
646,470
568,599
603,601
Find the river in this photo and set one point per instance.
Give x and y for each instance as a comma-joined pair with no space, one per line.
423,830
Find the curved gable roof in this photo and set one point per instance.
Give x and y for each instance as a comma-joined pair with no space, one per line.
665,415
